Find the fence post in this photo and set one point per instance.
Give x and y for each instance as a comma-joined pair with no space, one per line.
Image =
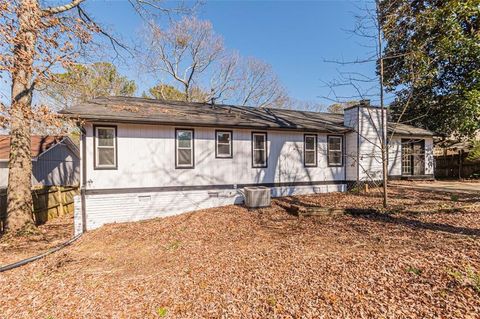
60,201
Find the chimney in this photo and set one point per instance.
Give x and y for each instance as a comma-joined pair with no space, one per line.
212,99
364,102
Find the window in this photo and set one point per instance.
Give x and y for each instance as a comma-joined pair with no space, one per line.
223,147
335,151
310,150
184,150
259,149
105,147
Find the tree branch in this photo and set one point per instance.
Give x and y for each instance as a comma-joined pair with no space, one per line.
60,9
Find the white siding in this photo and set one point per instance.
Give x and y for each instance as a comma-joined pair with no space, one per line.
350,119
3,174
370,153
364,143
395,155
146,159
429,159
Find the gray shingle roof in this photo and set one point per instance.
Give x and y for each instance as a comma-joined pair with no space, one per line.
149,111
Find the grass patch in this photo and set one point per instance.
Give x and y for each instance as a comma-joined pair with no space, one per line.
162,312
467,277
414,270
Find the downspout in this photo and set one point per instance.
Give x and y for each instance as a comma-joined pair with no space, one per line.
358,145
83,159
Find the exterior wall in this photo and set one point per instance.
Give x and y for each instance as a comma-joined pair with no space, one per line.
395,155
367,121
363,145
370,153
429,159
146,159
57,166
351,144
3,174
146,183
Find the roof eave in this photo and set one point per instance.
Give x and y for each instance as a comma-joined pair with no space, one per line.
89,118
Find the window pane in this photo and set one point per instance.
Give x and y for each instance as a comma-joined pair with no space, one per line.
185,143
184,157
106,156
259,157
309,142
259,141
335,143
310,157
223,149
184,139
184,135
335,158
105,136
223,137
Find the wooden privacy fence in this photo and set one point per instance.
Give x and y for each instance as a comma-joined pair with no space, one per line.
456,166
48,202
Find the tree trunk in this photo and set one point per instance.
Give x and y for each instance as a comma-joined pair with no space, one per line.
383,113
19,196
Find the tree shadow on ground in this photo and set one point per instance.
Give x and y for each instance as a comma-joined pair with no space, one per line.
438,195
374,215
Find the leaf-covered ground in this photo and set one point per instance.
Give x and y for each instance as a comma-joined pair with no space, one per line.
422,260
49,235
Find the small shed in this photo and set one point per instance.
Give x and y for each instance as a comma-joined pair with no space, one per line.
55,161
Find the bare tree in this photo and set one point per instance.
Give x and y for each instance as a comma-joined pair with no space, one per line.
258,85
184,51
369,27
33,41
194,57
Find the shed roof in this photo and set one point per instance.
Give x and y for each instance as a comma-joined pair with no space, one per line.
39,144
151,111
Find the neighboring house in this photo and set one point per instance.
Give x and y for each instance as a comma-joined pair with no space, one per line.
55,161
144,158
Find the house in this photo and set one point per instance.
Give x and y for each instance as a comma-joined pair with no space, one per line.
144,158
55,161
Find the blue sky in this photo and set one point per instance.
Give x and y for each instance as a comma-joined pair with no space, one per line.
295,37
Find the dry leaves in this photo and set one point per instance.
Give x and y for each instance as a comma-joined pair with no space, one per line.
422,261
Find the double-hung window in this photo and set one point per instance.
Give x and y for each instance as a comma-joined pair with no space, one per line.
105,147
310,150
184,148
259,149
335,151
223,144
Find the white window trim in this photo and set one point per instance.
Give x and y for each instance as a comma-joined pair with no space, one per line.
114,147
192,148
314,150
330,150
230,144
264,164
